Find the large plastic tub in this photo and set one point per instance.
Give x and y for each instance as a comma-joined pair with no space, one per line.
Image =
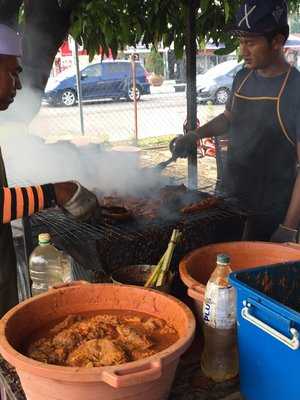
196,268
147,379
268,321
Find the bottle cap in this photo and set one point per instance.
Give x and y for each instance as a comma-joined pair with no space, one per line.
223,259
44,238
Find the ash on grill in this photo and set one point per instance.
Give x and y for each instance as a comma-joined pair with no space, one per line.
104,245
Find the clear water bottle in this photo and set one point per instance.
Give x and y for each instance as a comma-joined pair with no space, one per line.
220,356
48,266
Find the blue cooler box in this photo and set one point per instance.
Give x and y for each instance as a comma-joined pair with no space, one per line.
268,326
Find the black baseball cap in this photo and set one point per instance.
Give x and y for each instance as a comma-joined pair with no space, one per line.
258,17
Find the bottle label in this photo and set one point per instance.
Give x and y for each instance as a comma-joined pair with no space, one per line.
219,307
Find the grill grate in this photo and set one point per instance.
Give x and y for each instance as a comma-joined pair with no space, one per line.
105,246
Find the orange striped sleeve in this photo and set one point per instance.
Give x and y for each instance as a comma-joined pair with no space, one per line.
20,203
7,205
30,200
40,197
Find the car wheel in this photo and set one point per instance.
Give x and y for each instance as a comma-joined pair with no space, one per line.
222,96
68,98
130,95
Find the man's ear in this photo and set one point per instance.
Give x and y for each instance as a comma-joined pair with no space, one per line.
278,42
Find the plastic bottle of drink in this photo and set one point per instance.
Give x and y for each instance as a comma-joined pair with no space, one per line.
220,357
48,266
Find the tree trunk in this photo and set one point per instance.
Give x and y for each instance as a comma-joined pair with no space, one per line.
9,11
45,28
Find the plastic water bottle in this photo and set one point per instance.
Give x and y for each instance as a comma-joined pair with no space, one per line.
48,266
220,357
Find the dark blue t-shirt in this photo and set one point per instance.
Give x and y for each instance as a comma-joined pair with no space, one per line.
259,86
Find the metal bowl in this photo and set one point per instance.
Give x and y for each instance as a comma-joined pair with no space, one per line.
138,275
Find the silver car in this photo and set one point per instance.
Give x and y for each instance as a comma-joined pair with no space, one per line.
215,85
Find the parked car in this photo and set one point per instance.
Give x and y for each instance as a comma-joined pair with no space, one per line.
215,85
109,79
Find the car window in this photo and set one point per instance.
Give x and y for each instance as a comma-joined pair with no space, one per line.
117,68
140,69
235,70
93,71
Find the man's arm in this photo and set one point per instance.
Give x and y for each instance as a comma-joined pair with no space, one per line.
292,219
288,230
18,202
186,144
216,127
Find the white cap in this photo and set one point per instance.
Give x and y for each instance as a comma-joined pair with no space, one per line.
44,238
10,41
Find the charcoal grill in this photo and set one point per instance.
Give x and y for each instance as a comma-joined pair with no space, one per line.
106,246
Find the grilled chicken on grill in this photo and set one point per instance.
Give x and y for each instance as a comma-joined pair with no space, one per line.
210,202
169,198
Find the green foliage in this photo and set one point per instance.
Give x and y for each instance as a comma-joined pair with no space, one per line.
114,24
155,62
295,23
117,23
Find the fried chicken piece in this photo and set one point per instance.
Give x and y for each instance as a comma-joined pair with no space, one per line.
66,323
132,339
168,330
91,328
40,350
97,353
67,339
140,354
153,324
44,351
131,318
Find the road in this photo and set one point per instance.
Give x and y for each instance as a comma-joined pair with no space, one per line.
158,114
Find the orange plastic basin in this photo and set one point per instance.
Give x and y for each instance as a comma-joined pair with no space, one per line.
196,268
147,379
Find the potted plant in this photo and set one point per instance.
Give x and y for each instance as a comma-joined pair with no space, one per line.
155,65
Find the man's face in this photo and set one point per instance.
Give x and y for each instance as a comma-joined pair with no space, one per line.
9,80
257,52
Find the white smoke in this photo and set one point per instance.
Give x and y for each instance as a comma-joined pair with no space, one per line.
30,160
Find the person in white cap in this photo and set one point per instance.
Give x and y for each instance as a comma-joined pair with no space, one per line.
17,202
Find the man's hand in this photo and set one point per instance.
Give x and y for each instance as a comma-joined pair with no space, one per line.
184,145
76,200
284,234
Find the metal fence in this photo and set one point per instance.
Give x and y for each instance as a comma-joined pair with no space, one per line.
159,114
116,118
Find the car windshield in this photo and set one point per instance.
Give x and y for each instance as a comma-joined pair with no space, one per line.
67,73
221,69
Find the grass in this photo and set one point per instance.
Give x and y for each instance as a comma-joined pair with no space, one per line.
146,143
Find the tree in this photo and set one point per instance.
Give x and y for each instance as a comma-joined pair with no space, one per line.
155,62
295,23
109,24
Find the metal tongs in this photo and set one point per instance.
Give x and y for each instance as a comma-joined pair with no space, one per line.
161,166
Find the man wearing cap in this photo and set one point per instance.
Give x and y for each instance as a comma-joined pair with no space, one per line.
18,202
262,119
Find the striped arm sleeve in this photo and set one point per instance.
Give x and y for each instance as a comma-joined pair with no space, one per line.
18,202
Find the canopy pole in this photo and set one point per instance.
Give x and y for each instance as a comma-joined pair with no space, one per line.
79,88
191,92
